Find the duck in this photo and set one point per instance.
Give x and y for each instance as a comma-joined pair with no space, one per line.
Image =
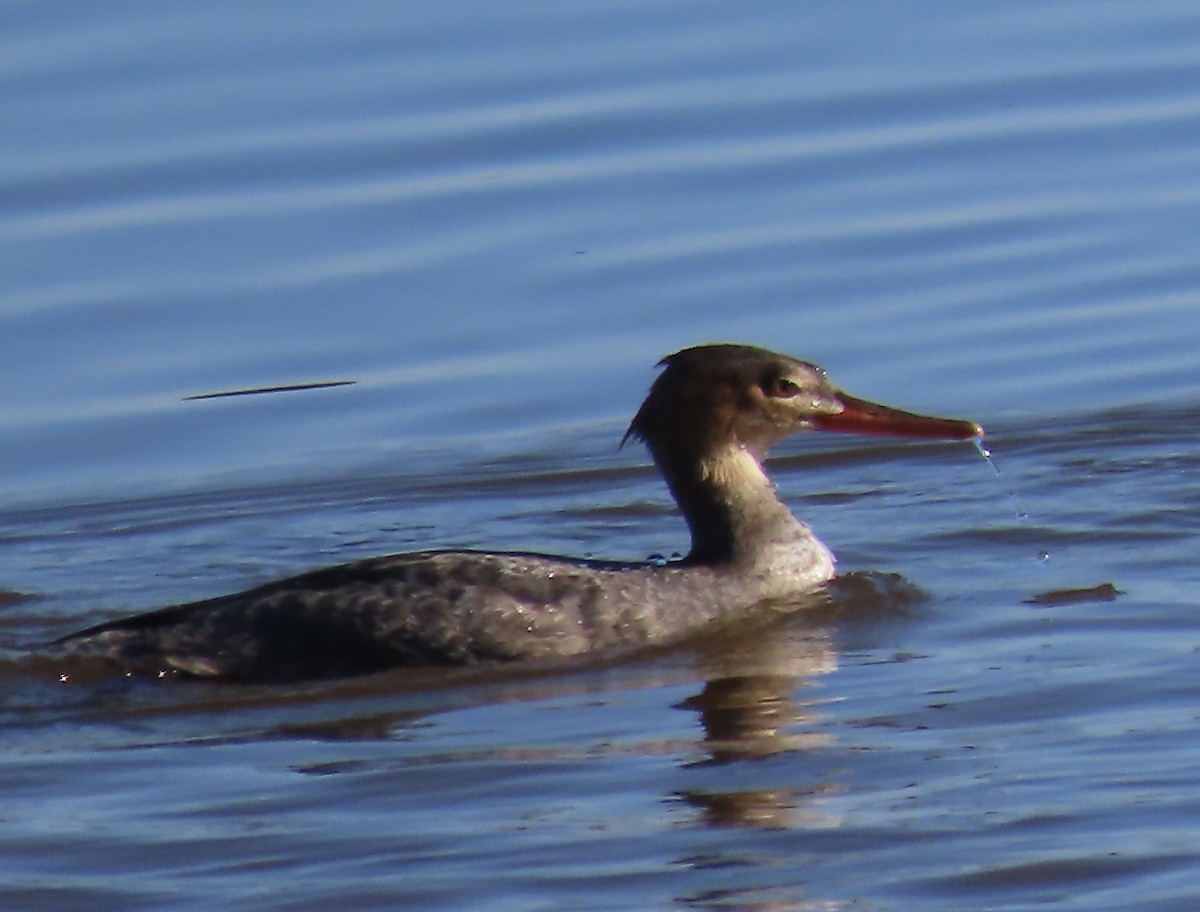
709,420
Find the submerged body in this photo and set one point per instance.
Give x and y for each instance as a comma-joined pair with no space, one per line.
708,421
435,607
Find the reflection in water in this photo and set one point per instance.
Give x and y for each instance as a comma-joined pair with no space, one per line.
749,711
750,707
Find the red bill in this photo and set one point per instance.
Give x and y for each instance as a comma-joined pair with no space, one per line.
861,417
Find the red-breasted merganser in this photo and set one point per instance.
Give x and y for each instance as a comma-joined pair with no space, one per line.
708,421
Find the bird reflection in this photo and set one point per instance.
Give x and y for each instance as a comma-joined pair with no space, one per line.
751,708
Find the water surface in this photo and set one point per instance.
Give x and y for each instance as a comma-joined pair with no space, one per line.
494,220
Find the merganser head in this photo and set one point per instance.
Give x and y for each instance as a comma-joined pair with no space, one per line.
712,396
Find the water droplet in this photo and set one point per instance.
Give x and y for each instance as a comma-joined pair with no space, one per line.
1018,511
986,454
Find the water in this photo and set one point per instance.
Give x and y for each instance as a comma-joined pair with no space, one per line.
494,220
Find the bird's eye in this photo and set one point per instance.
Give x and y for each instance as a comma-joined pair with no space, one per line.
782,388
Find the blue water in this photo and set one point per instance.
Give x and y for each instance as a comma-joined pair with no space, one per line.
494,219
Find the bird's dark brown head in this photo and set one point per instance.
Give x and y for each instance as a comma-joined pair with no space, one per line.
714,396
711,396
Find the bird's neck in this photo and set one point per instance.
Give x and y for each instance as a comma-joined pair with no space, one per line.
730,506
